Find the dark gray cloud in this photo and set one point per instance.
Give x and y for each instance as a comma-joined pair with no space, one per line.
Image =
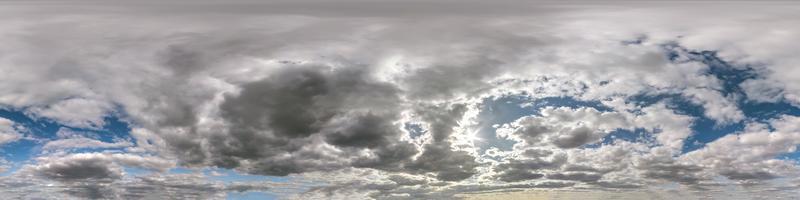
448,165
439,156
518,174
85,175
529,167
406,180
616,184
576,176
667,169
89,191
576,137
754,175
298,105
80,168
144,186
302,106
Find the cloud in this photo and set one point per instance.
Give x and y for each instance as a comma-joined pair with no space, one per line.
761,90
302,88
576,176
529,166
91,166
77,143
438,156
309,114
81,113
661,165
8,131
147,186
103,175
79,167
564,127
751,155
716,106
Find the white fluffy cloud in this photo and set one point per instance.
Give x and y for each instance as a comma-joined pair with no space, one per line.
81,113
752,155
8,131
73,143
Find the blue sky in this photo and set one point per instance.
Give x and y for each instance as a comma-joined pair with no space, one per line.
39,131
493,111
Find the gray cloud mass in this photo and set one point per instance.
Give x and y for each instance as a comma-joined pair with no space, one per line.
385,100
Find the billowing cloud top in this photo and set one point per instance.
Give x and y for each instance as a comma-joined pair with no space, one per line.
398,100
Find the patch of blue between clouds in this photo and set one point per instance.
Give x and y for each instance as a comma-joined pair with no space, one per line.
704,130
638,41
229,176
730,75
414,130
21,151
136,171
638,135
37,127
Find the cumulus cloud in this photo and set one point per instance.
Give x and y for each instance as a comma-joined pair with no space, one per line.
8,131
92,166
79,167
148,186
564,127
314,118
752,155
528,166
82,113
716,106
75,143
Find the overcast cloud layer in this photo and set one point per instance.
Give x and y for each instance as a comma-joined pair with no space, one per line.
398,100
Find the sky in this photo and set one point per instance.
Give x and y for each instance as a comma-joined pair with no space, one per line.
387,99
